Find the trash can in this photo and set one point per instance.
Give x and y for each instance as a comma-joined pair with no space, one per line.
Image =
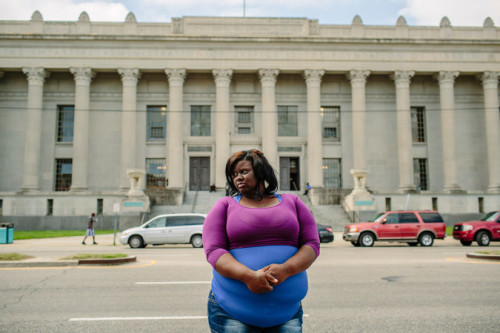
6,233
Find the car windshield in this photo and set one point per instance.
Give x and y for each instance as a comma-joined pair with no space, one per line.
378,217
490,217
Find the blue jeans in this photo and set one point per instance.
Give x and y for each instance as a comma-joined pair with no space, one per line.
221,322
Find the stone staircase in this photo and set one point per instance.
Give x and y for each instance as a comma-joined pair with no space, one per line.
203,201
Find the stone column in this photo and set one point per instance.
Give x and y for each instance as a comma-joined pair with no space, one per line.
492,118
268,79
32,145
175,138
358,86
405,141
222,115
83,76
314,128
130,76
447,97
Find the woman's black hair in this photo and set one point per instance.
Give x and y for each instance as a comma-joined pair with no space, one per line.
263,171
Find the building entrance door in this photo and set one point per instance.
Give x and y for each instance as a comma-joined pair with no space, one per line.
199,173
289,174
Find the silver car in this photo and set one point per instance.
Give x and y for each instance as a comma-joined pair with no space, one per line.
166,229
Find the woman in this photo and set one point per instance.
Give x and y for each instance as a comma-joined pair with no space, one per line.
259,243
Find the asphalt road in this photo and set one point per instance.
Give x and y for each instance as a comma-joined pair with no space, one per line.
386,288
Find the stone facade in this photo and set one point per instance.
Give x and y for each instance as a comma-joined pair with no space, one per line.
110,73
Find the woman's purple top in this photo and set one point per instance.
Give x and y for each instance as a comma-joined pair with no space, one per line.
229,225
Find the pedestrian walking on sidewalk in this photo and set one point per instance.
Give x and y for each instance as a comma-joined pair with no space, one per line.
90,229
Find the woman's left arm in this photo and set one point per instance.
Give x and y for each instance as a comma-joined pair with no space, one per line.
298,263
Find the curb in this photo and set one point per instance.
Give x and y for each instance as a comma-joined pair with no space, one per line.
20,264
111,261
483,256
66,263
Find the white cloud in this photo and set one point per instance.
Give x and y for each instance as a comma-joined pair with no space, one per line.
459,12
66,10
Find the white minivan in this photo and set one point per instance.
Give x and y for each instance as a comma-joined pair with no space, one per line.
166,229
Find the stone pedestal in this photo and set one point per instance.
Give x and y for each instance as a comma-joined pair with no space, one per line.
136,178
136,204
359,198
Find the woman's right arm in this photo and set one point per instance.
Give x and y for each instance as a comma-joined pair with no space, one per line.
215,244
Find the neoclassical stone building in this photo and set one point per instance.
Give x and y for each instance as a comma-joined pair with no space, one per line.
94,113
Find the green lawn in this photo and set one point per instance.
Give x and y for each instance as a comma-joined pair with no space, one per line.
13,256
54,233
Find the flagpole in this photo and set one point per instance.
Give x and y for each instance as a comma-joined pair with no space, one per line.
244,8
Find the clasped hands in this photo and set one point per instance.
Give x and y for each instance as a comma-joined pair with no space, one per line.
264,279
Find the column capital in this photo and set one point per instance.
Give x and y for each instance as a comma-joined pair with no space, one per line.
268,76
313,76
358,77
176,75
222,76
447,77
82,75
36,74
489,79
402,77
130,76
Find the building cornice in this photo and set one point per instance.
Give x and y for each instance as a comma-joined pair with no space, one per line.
245,27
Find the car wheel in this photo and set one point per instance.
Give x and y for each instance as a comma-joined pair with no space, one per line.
355,243
483,238
197,241
136,242
366,239
426,239
413,243
465,243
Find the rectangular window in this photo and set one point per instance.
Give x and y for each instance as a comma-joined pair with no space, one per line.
244,119
287,120
388,204
330,118
64,170
156,123
156,173
418,124
200,120
65,123
420,173
50,207
332,173
100,206
1,207
435,203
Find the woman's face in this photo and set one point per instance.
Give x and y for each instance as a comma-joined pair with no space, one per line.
244,178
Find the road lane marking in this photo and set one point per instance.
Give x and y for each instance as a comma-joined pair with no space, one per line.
174,282
139,318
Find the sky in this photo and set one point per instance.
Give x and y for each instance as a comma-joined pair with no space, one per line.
372,12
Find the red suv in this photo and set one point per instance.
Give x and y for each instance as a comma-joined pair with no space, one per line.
483,231
410,226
